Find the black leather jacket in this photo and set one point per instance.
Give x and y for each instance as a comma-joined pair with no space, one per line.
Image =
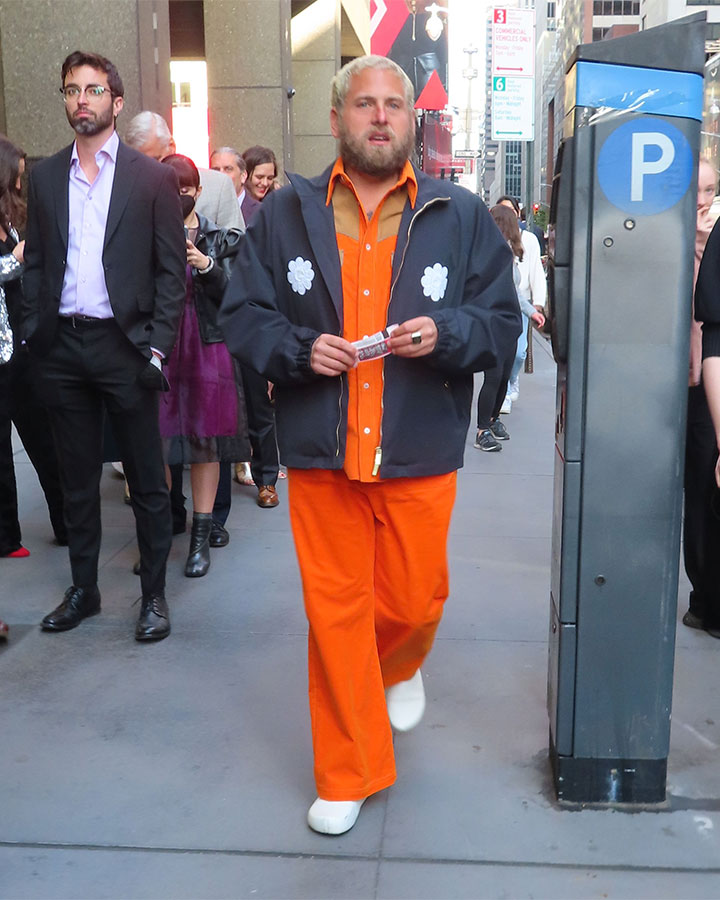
221,244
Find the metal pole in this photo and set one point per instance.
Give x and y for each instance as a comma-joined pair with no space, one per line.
529,162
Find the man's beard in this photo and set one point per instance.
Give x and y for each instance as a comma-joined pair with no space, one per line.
96,123
380,161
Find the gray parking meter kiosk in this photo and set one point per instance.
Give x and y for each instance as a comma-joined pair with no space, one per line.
622,237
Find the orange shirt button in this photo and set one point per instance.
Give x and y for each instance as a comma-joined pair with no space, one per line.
366,430
366,292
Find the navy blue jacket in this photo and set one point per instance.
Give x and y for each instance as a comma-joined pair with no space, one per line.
270,319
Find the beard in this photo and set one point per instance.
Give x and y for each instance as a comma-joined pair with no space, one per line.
94,124
378,161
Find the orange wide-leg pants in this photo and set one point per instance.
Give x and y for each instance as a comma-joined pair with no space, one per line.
373,561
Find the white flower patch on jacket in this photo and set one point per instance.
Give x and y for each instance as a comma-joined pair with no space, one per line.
434,281
300,274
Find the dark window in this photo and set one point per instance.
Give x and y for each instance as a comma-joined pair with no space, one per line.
187,29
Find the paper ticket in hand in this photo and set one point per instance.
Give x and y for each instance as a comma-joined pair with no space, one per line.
375,346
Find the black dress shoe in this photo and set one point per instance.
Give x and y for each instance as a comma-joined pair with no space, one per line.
693,620
154,621
218,535
78,604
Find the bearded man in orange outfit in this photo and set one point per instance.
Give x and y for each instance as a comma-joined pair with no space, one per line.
372,442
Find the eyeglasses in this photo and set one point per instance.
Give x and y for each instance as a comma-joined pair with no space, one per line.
92,91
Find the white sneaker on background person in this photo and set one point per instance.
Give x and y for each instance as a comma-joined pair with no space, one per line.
513,390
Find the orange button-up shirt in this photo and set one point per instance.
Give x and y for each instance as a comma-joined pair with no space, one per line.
366,248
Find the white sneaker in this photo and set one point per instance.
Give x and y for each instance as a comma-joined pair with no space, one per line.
506,408
333,816
513,390
406,703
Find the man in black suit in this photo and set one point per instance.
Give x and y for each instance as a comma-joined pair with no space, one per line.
104,290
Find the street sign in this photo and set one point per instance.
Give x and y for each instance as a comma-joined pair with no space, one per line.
513,108
513,42
467,154
645,167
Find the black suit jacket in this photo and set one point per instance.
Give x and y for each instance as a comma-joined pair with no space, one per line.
144,253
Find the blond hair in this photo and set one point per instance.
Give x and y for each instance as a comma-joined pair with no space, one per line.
341,82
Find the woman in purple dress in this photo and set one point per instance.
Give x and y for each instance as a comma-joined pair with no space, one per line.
202,416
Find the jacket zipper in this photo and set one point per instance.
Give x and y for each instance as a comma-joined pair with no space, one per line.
378,450
337,429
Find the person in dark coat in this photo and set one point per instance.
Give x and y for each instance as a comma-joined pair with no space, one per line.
104,287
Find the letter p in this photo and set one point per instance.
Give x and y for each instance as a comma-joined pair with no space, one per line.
640,167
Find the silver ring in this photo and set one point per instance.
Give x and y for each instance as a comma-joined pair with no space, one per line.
416,337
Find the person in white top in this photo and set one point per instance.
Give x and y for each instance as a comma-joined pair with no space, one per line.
533,289
490,430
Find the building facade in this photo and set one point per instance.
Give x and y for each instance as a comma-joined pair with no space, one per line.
268,64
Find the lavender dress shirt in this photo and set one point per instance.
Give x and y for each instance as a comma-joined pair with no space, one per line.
84,290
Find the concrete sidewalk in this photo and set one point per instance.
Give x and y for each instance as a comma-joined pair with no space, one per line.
183,769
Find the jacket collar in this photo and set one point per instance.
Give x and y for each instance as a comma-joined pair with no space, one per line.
312,193
206,227
125,175
61,192
428,188
122,185
320,227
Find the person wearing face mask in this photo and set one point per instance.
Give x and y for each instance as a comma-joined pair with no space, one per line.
202,416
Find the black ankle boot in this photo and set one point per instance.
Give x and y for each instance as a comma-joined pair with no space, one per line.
198,561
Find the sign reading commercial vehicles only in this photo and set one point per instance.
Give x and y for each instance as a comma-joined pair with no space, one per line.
513,74
513,42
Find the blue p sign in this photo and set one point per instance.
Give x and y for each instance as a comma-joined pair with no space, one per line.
645,166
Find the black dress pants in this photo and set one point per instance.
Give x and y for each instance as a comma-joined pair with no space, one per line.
91,365
264,463
223,497
701,536
20,404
